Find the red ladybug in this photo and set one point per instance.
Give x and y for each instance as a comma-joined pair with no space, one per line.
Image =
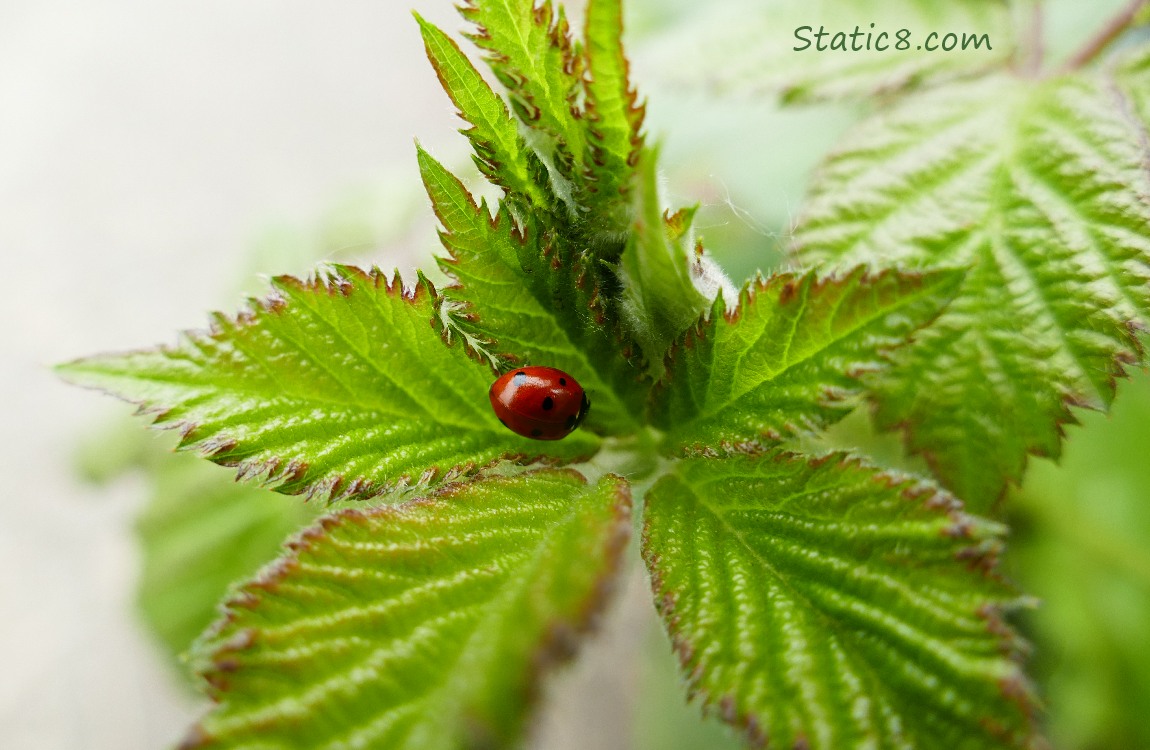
539,402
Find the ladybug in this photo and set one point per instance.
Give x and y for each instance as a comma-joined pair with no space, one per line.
539,402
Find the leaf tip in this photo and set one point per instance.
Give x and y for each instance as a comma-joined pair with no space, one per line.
72,371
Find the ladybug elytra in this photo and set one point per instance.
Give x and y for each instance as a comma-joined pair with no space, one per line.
539,402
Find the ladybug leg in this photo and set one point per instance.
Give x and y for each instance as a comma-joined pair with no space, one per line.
582,413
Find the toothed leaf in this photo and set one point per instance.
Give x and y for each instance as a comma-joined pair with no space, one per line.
522,303
659,298
422,626
1042,189
500,151
530,50
334,387
613,118
788,358
823,604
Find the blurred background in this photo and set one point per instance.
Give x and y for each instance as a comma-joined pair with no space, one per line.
156,158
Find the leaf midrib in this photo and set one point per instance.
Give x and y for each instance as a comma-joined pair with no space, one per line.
574,348
904,300
783,582
842,636
995,220
263,395
436,697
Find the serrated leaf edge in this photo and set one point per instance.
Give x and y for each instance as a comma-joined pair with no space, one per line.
558,647
981,558
454,310
906,430
791,280
280,476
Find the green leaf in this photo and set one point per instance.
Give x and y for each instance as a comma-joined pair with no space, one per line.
426,626
771,46
612,115
530,50
788,358
823,604
1131,77
334,387
536,283
591,117
500,152
200,532
660,299
1042,189
517,301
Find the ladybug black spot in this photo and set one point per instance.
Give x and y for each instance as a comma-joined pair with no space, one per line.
520,377
562,381
548,404
536,432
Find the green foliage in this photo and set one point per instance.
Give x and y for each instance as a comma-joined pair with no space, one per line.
336,387
613,115
660,299
788,357
866,595
530,285
424,626
531,52
814,602
1042,190
519,298
500,152
577,100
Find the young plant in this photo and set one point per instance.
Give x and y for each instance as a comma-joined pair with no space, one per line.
814,601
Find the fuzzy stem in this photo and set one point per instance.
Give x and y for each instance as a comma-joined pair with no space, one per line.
1107,34
1031,49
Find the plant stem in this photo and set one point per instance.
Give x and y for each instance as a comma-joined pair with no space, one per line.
1107,34
1031,50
